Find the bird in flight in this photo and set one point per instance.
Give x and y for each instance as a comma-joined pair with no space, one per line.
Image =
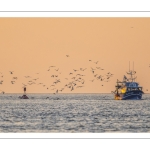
75,70
40,83
12,82
84,69
24,84
2,92
11,72
57,69
67,55
96,62
27,76
79,86
35,79
91,80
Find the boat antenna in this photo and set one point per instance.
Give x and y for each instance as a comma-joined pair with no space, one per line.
133,70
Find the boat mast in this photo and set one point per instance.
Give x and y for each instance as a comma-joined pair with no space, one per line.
133,70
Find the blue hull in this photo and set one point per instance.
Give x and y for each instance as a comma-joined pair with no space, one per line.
132,95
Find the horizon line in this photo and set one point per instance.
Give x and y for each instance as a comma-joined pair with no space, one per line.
73,11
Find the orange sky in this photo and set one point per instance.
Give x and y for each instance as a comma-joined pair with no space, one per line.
31,45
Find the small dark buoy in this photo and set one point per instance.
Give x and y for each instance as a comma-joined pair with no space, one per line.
24,95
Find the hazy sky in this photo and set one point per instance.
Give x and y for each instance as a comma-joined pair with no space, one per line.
30,45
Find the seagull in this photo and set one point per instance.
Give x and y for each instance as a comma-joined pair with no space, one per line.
61,89
12,82
79,86
35,79
75,70
92,68
40,83
72,88
84,69
27,76
11,72
24,84
78,74
2,92
67,55
95,75
92,71
96,62
99,77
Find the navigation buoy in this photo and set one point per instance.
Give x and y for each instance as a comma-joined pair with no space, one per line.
24,95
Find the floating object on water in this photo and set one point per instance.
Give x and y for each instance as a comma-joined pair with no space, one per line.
24,95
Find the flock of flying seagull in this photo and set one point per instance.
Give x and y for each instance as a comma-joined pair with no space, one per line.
74,80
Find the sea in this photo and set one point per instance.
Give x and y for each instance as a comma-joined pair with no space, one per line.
73,113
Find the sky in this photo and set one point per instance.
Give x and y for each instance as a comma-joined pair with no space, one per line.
29,46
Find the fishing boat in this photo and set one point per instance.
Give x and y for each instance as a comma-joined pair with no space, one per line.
128,89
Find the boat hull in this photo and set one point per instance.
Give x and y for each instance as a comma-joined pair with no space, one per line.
131,95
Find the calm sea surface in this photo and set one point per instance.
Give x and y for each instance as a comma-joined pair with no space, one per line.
80,113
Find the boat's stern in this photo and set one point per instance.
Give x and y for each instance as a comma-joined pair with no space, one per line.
118,97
